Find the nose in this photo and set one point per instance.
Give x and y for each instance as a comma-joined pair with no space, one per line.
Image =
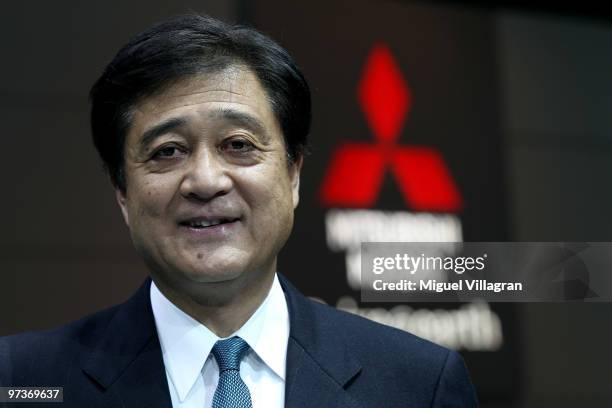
206,177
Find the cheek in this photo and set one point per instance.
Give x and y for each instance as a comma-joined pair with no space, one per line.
148,202
274,206
267,190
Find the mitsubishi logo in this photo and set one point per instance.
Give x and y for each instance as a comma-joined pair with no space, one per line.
357,169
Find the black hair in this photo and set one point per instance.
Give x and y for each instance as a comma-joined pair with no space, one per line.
190,45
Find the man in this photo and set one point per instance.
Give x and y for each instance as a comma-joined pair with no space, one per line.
203,127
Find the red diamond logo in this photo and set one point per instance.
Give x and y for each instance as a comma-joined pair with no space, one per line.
357,169
383,94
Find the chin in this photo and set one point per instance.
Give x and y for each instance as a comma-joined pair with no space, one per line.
217,274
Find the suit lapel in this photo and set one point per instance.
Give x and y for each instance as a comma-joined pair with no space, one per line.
127,362
319,365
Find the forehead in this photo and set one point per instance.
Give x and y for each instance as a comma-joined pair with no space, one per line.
235,88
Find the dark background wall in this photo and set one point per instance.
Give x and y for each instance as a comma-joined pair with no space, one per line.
65,253
556,97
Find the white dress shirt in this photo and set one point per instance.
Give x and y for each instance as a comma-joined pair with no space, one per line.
192,371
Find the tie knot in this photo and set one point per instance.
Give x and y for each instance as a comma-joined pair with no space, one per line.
229,353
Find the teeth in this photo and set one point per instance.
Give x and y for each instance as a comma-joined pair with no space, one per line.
202,224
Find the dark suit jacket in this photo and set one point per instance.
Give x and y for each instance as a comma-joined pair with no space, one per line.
334,359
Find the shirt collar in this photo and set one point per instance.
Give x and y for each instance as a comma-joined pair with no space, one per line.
186,343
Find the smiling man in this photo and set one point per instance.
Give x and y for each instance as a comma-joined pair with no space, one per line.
202,127
200,158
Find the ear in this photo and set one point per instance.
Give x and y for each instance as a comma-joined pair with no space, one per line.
295,170
121,200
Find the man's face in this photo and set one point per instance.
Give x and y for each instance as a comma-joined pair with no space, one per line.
209,192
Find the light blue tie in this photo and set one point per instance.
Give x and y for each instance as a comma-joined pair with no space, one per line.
231,391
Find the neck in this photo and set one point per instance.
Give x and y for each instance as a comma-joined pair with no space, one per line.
222,307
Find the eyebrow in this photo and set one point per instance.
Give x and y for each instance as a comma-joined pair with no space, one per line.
242,119
235,116
160,129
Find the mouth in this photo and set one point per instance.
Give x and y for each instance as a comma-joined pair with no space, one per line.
202,223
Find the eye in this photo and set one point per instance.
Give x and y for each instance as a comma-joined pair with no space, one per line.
167,152
238,146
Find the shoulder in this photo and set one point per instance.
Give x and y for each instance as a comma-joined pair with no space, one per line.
360,333
36,355
316,323
401,361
